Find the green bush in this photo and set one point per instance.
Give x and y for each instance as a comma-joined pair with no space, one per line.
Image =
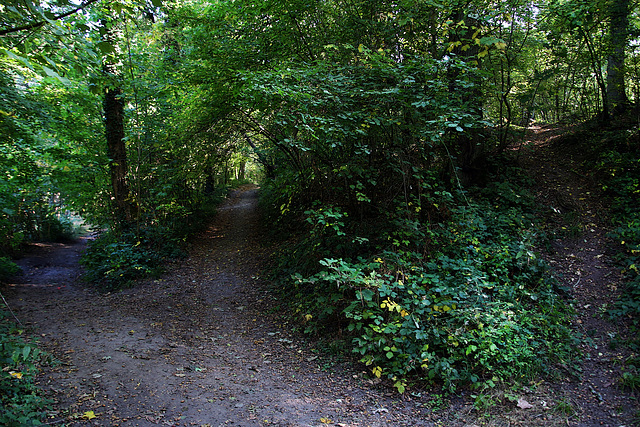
619,169
628,234
29,218
116,259
8,269
21,403
483,310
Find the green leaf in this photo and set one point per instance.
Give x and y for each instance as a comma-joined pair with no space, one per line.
106,48
55,75
23,60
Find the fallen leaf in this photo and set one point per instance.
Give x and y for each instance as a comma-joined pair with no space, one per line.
89,415
523,404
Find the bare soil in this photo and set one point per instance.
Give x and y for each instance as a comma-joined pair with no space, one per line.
582,257
201,346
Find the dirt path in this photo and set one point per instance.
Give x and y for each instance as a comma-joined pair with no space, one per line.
191,348
195,348
581,256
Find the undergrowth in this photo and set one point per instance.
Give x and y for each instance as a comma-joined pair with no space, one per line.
21,401
613,157
621,172
116,259
459,301
119,257
618,168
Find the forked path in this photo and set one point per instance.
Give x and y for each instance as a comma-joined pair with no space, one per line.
197,347
191,348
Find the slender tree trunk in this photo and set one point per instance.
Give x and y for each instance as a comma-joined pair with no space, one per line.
596,64
241,170
618,35
113,105
116,150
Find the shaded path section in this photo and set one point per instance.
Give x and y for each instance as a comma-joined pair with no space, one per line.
193,348
582,258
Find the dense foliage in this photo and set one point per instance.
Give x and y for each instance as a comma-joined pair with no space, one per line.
462,298
377,130
618,166
22,403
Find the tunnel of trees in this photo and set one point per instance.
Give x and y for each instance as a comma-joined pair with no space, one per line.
379,132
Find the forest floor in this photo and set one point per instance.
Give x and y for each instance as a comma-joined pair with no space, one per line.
201,346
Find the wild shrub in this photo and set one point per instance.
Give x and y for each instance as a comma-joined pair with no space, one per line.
119,257
21,403
8,269
484,309
618,167
29,218
116,259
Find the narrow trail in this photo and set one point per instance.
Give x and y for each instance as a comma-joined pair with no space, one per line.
581,256
191,348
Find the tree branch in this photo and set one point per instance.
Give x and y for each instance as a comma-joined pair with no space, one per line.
36,25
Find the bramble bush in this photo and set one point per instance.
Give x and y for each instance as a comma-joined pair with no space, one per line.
113,261
483,310
428,279
464,300
119,257
8,269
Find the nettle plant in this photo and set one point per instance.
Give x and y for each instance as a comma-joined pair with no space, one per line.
480,311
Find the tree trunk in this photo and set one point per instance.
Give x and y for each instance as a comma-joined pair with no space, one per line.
241,170
113,105
600,81
618,35
117,152
467,145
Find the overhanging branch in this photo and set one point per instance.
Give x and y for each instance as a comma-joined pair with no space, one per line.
39,24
